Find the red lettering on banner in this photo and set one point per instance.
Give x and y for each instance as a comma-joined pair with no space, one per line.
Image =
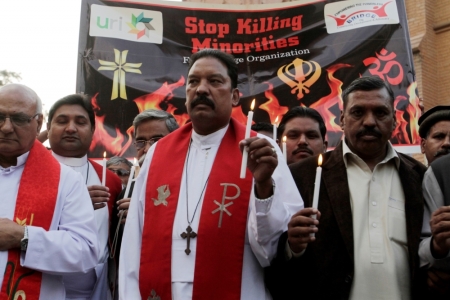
390,63
200,27
251,26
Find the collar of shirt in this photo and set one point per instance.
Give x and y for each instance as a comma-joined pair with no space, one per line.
21,160
206,141
390,155
71,161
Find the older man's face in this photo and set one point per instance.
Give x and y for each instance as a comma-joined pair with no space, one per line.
17,138
437,143
368,121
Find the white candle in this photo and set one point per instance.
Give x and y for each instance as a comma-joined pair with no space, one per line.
104,169
130,179
284,148
275,129
315,203
247,135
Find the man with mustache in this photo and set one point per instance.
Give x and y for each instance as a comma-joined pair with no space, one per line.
369,216
434,131
434,249
71,125
46,221
195,228
305,132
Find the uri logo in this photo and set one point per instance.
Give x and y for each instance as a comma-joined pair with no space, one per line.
140,19
300,75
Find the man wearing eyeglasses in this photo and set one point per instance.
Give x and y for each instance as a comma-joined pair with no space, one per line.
150,126
47,226
71,125
121,167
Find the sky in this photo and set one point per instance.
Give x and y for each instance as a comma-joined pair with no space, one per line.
39,40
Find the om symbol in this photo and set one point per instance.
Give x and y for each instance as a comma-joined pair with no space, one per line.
390,63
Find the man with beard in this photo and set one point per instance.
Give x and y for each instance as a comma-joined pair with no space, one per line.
71,125
305,132
435,132
369,216
195,229
434,249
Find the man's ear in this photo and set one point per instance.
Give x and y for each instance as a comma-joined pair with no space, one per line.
341,120
40,121
423,143
325,146
235,97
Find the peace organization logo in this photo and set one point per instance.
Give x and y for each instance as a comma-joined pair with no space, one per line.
347,15
137,25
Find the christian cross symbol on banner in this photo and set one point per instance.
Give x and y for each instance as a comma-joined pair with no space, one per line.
119,66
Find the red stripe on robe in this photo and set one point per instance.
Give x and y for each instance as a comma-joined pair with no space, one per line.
35,205
220,251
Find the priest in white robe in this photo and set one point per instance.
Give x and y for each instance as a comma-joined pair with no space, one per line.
219,229
47,230
71,125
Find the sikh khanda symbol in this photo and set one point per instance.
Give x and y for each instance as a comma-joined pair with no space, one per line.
119,66
223,206
300,75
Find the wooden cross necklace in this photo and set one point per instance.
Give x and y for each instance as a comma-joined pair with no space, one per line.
189,233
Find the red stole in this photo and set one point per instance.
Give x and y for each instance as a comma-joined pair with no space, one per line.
35,206
220,250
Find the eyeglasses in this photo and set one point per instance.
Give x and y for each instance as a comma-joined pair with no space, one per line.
17,120
120,172
141,143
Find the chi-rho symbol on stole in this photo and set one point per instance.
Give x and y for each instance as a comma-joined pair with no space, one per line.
223,207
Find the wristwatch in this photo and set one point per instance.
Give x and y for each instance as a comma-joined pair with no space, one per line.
24,240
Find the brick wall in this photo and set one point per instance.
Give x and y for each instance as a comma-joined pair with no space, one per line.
429,26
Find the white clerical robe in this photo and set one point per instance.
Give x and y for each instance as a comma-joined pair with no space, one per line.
71,243
93,284
266,221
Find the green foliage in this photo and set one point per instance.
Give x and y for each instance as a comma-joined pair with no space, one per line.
8,77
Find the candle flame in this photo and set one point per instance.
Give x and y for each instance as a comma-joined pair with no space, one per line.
252,106
284,139
320,160
104,154
276,121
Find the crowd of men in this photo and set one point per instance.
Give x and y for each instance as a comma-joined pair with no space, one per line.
194,229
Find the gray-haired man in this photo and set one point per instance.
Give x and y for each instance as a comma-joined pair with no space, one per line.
150,126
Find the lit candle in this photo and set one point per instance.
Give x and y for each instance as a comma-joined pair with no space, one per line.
247,135
315,203
130,179
284,148
104,169
275,129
